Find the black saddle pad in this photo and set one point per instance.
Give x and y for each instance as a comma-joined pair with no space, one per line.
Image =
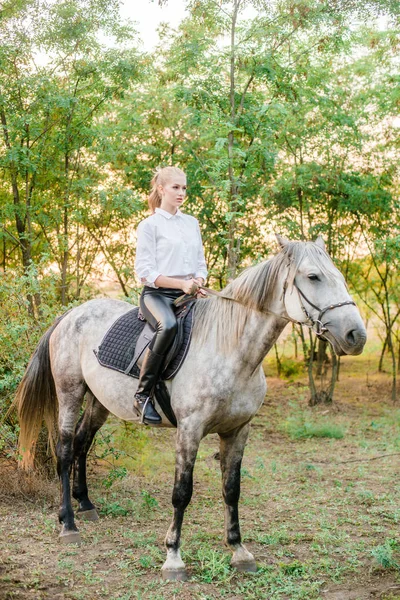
118,345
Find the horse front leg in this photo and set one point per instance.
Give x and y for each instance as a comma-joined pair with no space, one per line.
187,444
231,454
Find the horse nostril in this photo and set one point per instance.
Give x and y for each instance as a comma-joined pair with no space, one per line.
355,337
352,337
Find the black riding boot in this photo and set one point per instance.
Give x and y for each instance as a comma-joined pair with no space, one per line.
149,372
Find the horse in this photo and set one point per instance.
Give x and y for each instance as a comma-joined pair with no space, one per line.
219,388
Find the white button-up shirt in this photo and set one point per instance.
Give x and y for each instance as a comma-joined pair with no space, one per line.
169,245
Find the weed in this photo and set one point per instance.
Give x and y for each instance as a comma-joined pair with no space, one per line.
383,554
290,368
112,509
146,562
148,501
214,566
117,473
293,568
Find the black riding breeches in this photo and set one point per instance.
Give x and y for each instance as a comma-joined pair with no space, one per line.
157,306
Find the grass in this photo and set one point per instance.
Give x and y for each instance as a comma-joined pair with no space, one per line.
301,426
318,509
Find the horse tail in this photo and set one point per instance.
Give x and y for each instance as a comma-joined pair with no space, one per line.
36,400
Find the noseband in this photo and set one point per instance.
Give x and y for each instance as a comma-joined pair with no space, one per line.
316,324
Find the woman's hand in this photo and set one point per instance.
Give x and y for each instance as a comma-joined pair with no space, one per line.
200,283
190,286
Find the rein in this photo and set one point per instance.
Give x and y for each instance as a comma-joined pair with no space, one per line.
316,325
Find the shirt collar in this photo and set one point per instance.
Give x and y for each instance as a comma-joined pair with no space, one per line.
168,215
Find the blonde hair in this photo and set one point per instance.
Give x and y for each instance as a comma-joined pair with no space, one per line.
161,177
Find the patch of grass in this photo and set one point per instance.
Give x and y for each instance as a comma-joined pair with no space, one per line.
300,426
148,501
214,565
385,554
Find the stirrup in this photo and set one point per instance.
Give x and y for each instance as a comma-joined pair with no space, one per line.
148,399
140,406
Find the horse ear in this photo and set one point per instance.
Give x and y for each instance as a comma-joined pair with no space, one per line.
283,242
320,242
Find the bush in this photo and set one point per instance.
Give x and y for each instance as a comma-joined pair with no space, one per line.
20,332
291,368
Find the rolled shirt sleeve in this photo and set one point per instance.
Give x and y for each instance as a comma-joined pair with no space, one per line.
145,262
201,270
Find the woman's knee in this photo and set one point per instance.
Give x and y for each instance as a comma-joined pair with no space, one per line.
167,328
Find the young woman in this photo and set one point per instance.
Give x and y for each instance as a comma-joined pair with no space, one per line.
169,261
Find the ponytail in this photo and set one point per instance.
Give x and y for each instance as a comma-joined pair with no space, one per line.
161,177
154,197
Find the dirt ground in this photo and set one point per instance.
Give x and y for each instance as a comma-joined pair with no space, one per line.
320,508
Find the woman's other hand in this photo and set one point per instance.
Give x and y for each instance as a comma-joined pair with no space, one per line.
201,293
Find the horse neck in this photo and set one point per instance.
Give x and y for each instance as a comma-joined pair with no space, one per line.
263,325
237,329
259,335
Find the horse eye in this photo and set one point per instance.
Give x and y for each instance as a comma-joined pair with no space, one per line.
314,277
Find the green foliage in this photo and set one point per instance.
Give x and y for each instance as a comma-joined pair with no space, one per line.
148,501
302,426
116,474
20,331
385,554
290,368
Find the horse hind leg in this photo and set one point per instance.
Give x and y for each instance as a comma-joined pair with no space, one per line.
231,454
70,396
93,418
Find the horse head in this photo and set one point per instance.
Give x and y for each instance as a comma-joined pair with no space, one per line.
315,294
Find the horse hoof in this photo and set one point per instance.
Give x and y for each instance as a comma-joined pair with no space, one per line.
70,537
88,515
245,566
174,574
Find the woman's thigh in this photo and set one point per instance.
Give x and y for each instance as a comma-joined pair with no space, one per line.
158,309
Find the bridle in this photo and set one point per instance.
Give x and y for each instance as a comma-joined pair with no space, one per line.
316,325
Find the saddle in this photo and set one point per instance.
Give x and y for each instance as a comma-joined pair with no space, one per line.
123,346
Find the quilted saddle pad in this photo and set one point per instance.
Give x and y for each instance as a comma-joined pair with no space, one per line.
118,345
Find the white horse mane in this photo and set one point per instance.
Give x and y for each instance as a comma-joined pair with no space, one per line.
254,288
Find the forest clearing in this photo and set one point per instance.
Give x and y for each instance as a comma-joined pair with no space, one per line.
319,507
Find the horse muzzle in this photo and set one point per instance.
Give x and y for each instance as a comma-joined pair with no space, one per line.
351,342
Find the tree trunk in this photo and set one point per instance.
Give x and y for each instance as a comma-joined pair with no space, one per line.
233,243
322,356
394,369
278,361
380,366
313,390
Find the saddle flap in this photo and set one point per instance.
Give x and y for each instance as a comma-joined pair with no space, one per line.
143,341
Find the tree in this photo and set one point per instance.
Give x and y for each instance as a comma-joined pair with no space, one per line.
56,78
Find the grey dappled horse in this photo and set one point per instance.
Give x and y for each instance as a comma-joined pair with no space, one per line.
219,388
